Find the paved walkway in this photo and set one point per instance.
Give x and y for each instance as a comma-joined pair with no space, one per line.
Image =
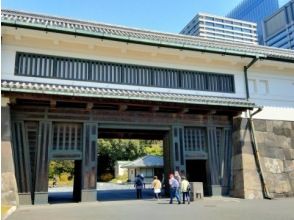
209,208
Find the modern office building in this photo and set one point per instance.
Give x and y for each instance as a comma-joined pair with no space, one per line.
255,11
279,28
221,28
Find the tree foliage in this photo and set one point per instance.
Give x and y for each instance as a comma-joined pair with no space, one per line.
112,150
58,167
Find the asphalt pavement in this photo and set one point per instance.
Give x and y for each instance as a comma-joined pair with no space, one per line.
121,204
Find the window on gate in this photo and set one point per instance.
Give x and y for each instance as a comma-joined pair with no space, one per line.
38,65
195,139
67,137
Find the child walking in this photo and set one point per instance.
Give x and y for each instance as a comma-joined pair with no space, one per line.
185,189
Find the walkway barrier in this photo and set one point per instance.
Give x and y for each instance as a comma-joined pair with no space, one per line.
196,190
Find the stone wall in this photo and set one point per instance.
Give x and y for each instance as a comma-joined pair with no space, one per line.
9,197
275,141
246,181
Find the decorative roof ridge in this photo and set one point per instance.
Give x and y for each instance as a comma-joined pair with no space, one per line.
156,37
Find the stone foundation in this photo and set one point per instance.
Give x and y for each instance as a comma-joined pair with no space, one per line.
276,147
9,196
275,140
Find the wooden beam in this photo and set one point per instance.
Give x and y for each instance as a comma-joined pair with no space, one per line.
154,109
184,110
122,108
53,103
89,106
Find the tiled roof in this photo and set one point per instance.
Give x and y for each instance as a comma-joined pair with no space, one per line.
146,161
52,89
120,33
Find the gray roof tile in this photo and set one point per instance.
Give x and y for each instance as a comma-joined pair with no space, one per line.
31,87
50,23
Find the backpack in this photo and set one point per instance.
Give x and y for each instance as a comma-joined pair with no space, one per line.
138,182
189,188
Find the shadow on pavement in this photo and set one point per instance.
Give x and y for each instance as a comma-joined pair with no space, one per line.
122,194
102,195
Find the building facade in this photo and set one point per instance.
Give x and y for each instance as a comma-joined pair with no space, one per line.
221,28
66,83
254,11
279,27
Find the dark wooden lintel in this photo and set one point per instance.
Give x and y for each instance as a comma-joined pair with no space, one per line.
122,108
184,111
89,106
53,103
154,108
123,105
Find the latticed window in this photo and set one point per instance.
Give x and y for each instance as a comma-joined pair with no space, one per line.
37,65
195,139
67,136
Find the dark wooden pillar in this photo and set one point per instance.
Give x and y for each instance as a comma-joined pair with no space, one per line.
41,181
22,163
89,162
214,161
77,187
179,162
226,161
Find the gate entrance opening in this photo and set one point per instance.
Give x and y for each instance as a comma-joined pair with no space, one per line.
64,183
197,172
136,136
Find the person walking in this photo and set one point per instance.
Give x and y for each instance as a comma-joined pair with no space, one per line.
185,189
139,184
156,185
178,178
174,184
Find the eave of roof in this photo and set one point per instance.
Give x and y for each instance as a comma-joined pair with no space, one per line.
118,33
52,89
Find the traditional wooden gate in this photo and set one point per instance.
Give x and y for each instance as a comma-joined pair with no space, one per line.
37,142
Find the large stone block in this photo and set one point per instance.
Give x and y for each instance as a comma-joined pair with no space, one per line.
272,165
278,183
8,189
292,185
289,154
291,175
237,162
259,136
282,131
289,165
237,193
238,181
252,180
248,162
282,124
260,125
272,152
269,125
253,194
273,140
282,128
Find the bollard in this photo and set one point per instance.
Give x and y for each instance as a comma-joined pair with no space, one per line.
196,190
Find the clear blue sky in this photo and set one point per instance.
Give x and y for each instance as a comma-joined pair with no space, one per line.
161,15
